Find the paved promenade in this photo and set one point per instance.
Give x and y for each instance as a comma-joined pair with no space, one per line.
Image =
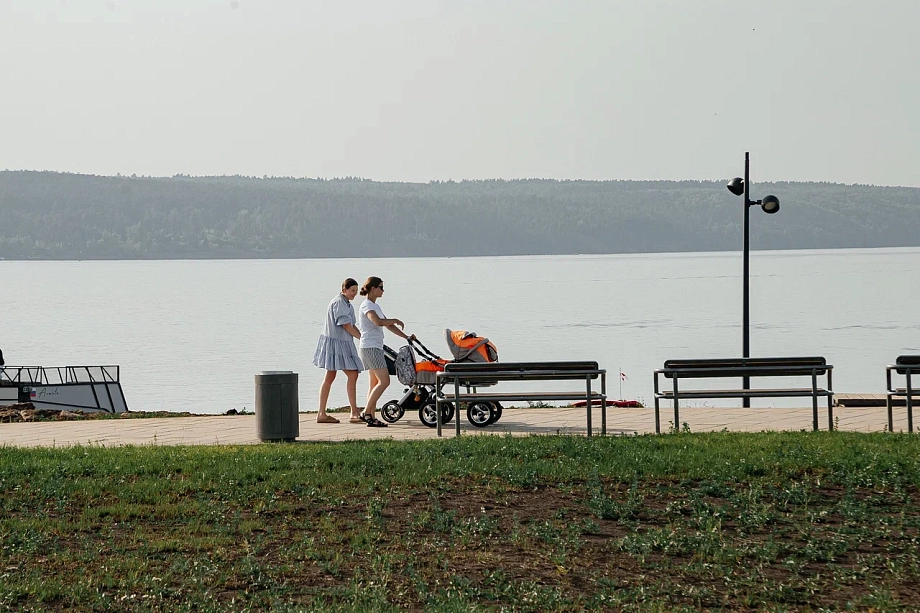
241,429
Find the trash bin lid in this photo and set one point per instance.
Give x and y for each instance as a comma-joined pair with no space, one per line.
277,372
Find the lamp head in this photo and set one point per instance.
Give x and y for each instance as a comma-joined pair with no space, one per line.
736,186
770,204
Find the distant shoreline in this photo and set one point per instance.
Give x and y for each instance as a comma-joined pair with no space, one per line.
55,216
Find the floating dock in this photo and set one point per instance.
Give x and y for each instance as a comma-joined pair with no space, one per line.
67,388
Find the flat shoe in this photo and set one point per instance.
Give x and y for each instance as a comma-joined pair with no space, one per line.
327,419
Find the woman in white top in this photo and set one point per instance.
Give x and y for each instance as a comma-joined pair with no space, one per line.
371,323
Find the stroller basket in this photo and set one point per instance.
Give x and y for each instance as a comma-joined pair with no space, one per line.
390,354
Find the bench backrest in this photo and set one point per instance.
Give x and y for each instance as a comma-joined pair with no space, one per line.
518,366
543,370
908,360
752,367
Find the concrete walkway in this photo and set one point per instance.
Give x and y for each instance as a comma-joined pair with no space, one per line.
241,429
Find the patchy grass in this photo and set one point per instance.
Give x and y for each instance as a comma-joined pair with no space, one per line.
729,522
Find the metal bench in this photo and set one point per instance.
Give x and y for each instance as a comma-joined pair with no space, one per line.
742,368
905,365
470,375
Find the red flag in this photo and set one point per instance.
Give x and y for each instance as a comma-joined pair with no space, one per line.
623,376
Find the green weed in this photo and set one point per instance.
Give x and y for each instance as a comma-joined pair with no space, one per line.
718,521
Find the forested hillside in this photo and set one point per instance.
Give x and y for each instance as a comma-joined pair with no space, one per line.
47,215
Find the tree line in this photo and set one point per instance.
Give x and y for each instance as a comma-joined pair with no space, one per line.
48,215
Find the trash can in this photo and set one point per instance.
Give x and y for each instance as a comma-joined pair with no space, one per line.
277,406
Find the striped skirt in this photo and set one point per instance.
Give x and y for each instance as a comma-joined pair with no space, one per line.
373,358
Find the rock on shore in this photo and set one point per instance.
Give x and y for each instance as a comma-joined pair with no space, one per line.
26,411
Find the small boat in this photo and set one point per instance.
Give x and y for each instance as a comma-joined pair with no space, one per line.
65,388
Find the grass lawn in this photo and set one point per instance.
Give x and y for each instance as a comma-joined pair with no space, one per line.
728,522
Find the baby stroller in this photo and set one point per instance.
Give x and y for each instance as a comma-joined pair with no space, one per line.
420,375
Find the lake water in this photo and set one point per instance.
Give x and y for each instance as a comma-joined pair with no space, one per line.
190,335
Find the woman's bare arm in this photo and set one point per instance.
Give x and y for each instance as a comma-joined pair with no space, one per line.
351,329
390,323
384,323
392,328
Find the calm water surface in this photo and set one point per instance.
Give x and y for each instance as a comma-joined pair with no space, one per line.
190,335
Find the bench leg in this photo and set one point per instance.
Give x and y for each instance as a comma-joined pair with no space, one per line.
676,409
890,416
814,403
830,413
910,415
437,413
604,405
604,415
814,414
588,403
657,418
456,405
910,404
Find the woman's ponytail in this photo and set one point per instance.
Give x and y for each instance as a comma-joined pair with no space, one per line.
370,284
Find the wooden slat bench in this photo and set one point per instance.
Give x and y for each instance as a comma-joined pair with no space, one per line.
472,375
906,365
812,367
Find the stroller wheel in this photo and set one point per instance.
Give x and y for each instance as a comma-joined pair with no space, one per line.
497,412
480,414
392,411
427,414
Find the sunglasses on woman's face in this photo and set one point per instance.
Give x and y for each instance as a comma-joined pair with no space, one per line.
380,287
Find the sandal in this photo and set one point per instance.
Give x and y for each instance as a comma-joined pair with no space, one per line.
373,422
356,420
326,419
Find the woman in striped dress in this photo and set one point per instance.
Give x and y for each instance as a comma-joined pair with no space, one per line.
336,351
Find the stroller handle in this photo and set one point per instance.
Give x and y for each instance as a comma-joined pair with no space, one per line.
423,350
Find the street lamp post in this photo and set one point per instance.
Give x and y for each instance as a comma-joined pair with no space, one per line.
770,205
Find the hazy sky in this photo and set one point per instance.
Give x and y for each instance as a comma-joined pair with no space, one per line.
816,90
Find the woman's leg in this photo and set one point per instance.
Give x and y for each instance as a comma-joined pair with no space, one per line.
352,385
372,381
324,392
383,382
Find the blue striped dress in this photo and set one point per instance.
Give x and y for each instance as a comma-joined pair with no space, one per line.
335,349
